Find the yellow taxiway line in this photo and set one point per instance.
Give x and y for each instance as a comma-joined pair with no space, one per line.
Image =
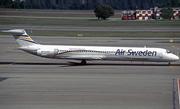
174,66
16,61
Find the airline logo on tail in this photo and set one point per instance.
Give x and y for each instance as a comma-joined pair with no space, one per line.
25,38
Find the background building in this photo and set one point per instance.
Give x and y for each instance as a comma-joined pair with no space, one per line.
91,4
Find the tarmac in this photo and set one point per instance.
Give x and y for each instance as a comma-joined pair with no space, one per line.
32,82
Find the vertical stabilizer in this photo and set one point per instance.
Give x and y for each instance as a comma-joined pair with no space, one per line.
21,37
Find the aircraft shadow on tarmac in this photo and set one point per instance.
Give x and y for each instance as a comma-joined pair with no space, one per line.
68,64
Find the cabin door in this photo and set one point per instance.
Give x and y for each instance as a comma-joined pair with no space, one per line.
160,55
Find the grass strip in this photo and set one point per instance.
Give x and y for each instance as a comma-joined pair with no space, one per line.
53,22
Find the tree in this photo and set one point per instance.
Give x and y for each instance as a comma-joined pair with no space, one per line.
22,5
7,3
174,3
145,6
15,5
1,3
167,13
103,11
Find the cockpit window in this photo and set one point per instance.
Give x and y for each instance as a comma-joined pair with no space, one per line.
168,51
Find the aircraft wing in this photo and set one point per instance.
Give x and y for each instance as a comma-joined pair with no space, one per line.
135,58
101,57
86,57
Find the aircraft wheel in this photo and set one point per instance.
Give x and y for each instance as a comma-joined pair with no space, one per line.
83,61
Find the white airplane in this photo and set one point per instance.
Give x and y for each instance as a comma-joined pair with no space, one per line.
85,53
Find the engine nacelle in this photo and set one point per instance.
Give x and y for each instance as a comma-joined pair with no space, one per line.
47,52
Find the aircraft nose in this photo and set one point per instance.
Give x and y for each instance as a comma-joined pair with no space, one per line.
175,58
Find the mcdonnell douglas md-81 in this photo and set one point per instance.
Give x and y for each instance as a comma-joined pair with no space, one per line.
85,53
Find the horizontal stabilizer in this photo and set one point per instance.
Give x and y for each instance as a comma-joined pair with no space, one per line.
15,31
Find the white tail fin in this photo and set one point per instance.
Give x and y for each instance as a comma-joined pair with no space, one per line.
21,37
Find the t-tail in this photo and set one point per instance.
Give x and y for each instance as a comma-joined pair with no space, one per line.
24,40
22,37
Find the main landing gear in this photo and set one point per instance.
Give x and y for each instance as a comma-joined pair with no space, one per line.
83,62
